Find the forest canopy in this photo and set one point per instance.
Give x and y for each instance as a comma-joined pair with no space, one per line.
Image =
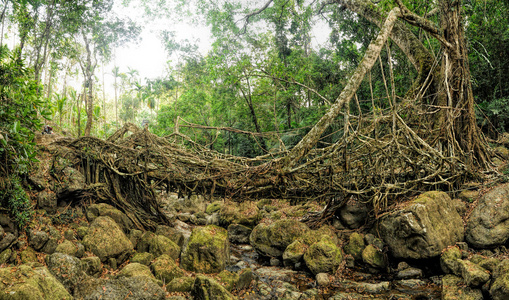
403,96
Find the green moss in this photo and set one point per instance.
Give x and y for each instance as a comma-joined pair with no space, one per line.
355,246
229,279
214,207
373,257
165,268
207,250
323,257
180,285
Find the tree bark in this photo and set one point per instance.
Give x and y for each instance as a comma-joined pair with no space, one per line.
310,140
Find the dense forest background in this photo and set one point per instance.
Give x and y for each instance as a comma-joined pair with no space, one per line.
259,89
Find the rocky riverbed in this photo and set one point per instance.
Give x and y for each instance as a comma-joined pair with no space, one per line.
429,247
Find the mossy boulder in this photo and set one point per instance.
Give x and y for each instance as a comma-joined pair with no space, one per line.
160,245
136,270
449,260
245,213
106,240
172,233
473,274
91,265
28,255
229,279
165,268
272,240
373,257
143,258
181,285
424,227
5,256
500,287
139,287
323,257
488,225
24,282
67,269
355,246
208,250
214,207
67,247
205,288
106,210
294,252
454,288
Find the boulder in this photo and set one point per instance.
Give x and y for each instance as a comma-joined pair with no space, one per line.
207,250
239,234
180,285
143,258
453,288
488,225
173,234
91,265
28,255
160,245
74,181
354,213
373,257
449,260
106,240
294,252
5,256
245,213
37,239
323,257
355,246
47,201
140,287
67,269
473,274
67,247
136,270
165,268
500,287
272,240
103,209
26,282
423,228
205,288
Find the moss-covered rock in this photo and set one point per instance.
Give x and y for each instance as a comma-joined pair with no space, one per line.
488,225
205,288
25,282
355,246
473,274
91,265
294,252
245,213
181,285
5,256
373,257
67,269
140,287
81,232
214,207
173,234
323,257
239,234
229,279
143,258
135,270
106,240
449,260
208,250
106,210
28,255
272,240
453,288
424,227
500,287
67,247
160,245
165,268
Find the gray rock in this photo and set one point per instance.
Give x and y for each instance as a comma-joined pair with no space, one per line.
47,201
423,228
67,269
91,265
410,273
239,234
488,225
37,239
7,241
106,210
354,214
272,240
51,246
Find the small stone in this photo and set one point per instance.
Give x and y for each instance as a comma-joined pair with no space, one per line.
275,262
409,273
322,279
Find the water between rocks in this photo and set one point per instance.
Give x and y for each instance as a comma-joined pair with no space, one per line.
273,281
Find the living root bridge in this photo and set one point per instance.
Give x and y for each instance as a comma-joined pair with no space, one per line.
378,159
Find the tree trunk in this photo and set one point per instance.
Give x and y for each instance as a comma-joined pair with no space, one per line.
310,140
